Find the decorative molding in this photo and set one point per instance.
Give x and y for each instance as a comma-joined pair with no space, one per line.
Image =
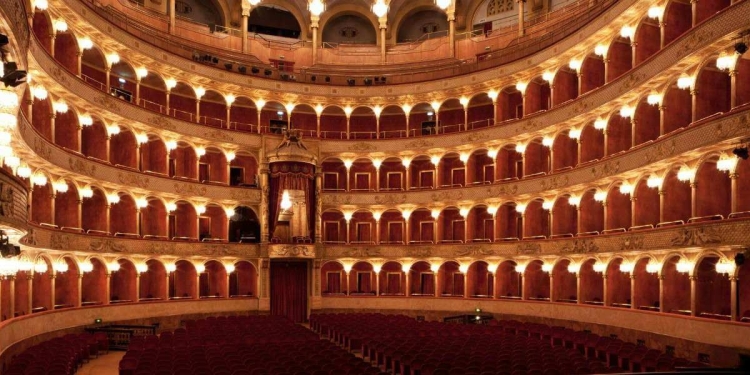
696,236
291,251
580,246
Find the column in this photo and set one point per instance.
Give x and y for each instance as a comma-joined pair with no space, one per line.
108,213
377,179
407,177
733,87
52,118
245,16
108,288
79,300
661,293
452,31
348,170
579,75
694,105
578,219
377,231
693,291
733,179
315,26
137,90
348,292
197,109
694,6
662,114
377,284
30,288
317,128
52,205
171,11
607,302
523,226
733,298
406,230
661,32
633,199
166,285
578,156
633,125
52,37
138,219
661,205
12,296
137,286
633,305
633,45
264,235
348,122
79,55
606,221
693,199
383,27
579,297
551,221
521,30
52,277
606,138
319,205
466,117
523,286
348,235
552,295
107,79
229,115
197,291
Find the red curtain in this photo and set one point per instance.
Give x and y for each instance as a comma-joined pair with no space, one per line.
291,176
289,290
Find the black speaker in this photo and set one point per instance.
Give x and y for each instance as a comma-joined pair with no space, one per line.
255,70
740,47
350,81
741,152
368,81
13,77
739,259
8,250
328,79
242,69
313,78
228,66
268,72
4,40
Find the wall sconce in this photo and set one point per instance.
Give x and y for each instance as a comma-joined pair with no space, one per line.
113,59
170,83
492,153
627,267
601,50
377,163
574,268
520,268
406,162
685,82
200,151
229,211
574,133
684,266
599,267
231,155
726,62
627,32
200,209
200,268
113,130
85,43
40,4
492,210
548,76
171,145
627,111
548,204
348,267
521,207
464,101
656,12
521,86
463,268
141,203
39,92
493,94
290,107
86,267
60,186
171,207
434,267
546,267
464,212
654,181
574,200
520,148
377,268
600,196
435,160
141,267
406,108
406,214
170,267
405,267
60,106
60,266
685,174
39,179
548,141
348,216
229,267
348,163
727,163
113,266
141,73
377,110
86,192
376,215
230,99
655,99
199,92
113,198
575,64
85,120
600,124
286,201
726,267
348,111
464,157
40,267
653,267
435,213
626,188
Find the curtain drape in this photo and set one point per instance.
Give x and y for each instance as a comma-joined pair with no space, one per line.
291,176
289,290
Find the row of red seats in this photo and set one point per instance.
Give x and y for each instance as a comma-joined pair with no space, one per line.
223,347
404,346
59,356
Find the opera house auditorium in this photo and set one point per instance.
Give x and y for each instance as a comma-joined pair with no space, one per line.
411,187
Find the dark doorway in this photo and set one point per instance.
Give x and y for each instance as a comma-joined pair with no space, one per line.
289,289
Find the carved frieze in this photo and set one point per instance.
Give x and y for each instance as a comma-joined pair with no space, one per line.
189,189
661,151
361,252
291,251
606,169
132,179
555,182
107,246
632,242
696,236
736,126
528,248
391,199
580,246
82,167
474,251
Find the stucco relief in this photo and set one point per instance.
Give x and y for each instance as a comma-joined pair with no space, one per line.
133,180
474,251
580,246
632,242
696,236
82,167
291,251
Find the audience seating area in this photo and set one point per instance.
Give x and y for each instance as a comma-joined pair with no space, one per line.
59,356
402,345
247,345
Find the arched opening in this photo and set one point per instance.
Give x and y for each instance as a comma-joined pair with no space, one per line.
273,20
618,211
592,214
153,93
334,175
183,102
392,175
153,282
708,8
334,227
566,86
713,290
274,118
423,279
564,217
536,282
362,175
66,208
619,134
481,282
451,171
510,102
94,212
423,120
646,204
480,225
743,284
592,73
362,228
183,161
22,297
480,112
618,284
243,115
243,170
451,281
423,228
41,117
677,20
592,143
647,39
677,107
243,282
212,166
362,279
451,226
480,167
94,141
213,281
592,283
244,226
421,25
675,287
213,224
182,281
93,68
564,283
675,194
154,155
154,219
362,124
208,13
333,279
713,189
392,279
213,109
392,122
508,280
122,81
94,284
537,96
66,51
713,89
40,25
183,222
509,163
349,28
305,120
66,284
646,122
619,57
646,293
333,123
393,228
123,282
742,87
66,130
536,220
422,173
450,116
537,158
41,286
564,151
123,220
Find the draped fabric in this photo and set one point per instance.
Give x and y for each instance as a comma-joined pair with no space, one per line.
289,290
291,176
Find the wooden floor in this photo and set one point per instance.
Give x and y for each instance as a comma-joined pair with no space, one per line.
106,364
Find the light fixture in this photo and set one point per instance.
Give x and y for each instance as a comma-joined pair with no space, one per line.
23,171
435,159
435,213
141,267
464,157
434,267
492,210
548,141
546,267
254,2
380,8
599,267
727,62
348,215
230,99
113,198
377,163
200,268
547,204
521,207
406,108
652,267
520,148
627,111
601,50
575,64
377,215
280,113
170,83
8,99
229,211
377,110
435,106
654,99
316,7
684,266
260,103
654,181
574,267
85,120
443,4
60,25
463,268
406,213
141,203
229,267
141,138
464,212
60,266
627,32
39,179
406,162
113,130
60,186
8,121
86,192
685,82
492,153
113,59
171,145
521,86
289,107
685,174
725,267
5,138
600,124
141,73
347,267
39,92
286,202
60,106
199,92
520,268
548,76
41,4
377,268
200,209
40,267
492,94
348,163
726,163
171,207
626,188
200,151
574,200
574,134
627,267
12,161
85,43
656,12
170,267
464,101
231,155
86,267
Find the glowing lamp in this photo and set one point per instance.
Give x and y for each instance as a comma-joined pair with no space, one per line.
141,73
86,192
652,268
141,267
316,7
725,267
685,82
229,211
435,160
600,124
492,94
200,209
200,268
548,76
113,59
656,12
170,83
627,32
61,26
23,171
171,267
60,107
492,210
60,186
443,4
520,148
464,157
171,145
141,202
464,212
521,86
229,267
575,64
464,268
286,202
230,99
684,266
86,267
171,207
626,188
492,153
548,204
574,267
654,99
654,181
601,50
599,267
380,8
85,120
85,43
521,207
141,138
60,267
434,267
627,111
726,163
377,163
348,163
574,201
435,213
627,267
199,92
39,179
520,268
574,134
547,141
685,174
347,267
348,215
113,198
546,267
39,92
464,101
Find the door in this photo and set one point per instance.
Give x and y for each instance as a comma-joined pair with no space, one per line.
489,173
334,282
362,181
236,176
204,227
393,283
205,284
427,283
489,229
458,176
394,181
426,231
426,179
458,228
203,172
396,232
172,226
364,281
364,233
330,181
289,289
458,284
331,231
172,167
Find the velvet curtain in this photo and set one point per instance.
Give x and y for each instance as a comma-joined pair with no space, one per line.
289,290
291,176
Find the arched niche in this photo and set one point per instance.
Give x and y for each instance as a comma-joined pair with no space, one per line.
422,279
422,172
713,92
509,281
243,282
66,130
392,279
154,155
480,112
93,68
212,166
592,214
244,226
675,195
42,204
153,93
591,283
592,143
646,204
123,282
213,224
183,102
334,227
451,226
274,20
564,217
41,116
94,212
510,104
480,225
537,96
592,73
618,212
362,279
349,28
713,290
480,281
94,141
708,8
22,298
565,151
153,219
362,228
213,282
393,228
94,284
423,120
42,29
363,124
333,123
510,222
392,175
392,122
646,286
423,229
305,120
123,220
646,122
566,86
41,286
618,285
647,39
536,220
213,109
675,287
619,134
451,171
243,115
451,281
713,190
619,58
480,168
677,105
422,24
537,158
509,163
66,284
183,161
564,283
333,279
66,51
677,20
66,208
536,282
122,81
183,222
153,282
183,281
243,170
